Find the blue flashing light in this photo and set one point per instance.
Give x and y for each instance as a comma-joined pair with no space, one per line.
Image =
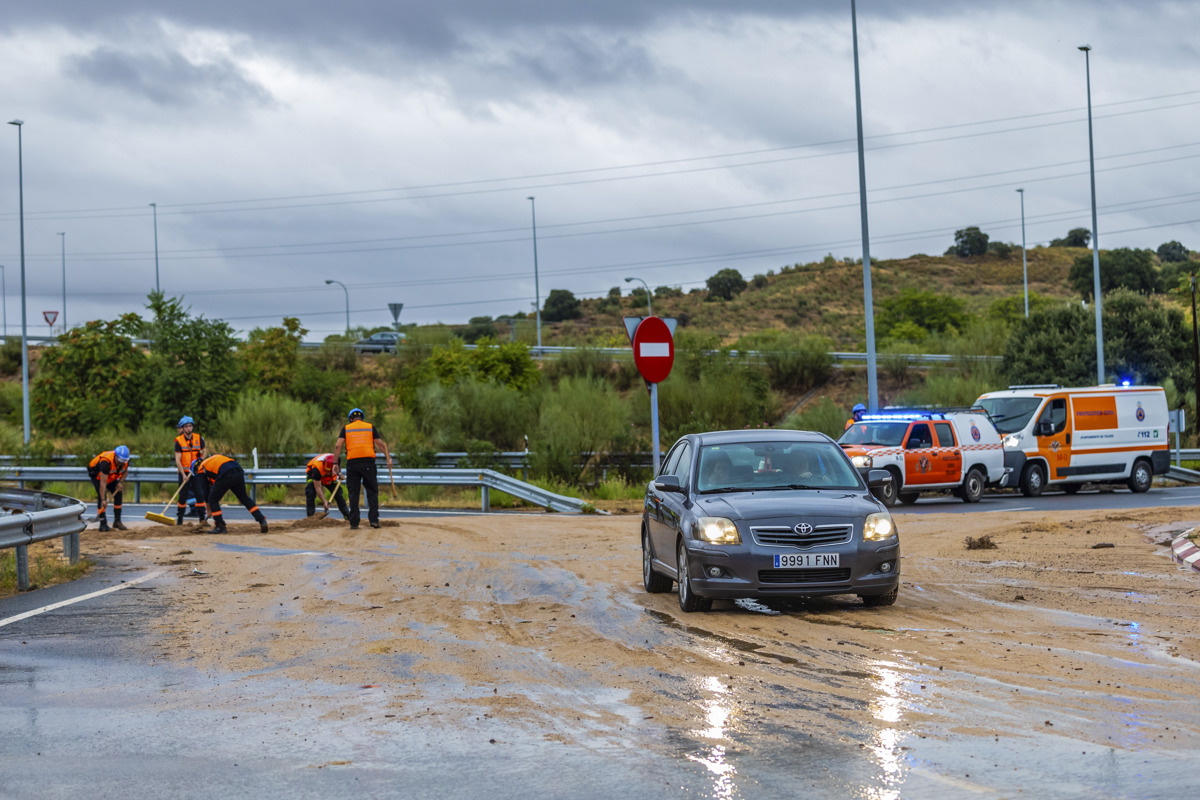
1125,382
905,416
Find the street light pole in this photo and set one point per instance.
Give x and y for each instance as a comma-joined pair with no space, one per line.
1087,60
1024,267
64,271
649,312
868,302
537,294
24,314
4,291
157,288
347,291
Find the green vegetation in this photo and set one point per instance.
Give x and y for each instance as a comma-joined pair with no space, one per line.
46,567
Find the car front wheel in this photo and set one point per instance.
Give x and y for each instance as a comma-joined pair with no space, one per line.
1033,480
687,600
880,600
653,581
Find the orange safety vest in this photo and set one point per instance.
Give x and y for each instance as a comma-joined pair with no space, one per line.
211,464
325,472
116,470
189,451
360,440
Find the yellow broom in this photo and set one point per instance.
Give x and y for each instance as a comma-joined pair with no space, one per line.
322,514
163,518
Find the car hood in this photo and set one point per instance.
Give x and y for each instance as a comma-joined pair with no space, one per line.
751,506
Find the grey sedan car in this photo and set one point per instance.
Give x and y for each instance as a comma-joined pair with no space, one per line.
766,514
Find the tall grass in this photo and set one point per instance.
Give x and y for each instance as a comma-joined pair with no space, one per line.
272,423
578,417
800,364
823,416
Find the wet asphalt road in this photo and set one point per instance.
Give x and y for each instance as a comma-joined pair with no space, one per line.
88,707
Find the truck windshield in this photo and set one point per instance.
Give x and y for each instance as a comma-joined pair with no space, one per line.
1010,414
887,434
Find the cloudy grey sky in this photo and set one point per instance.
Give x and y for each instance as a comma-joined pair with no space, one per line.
391,144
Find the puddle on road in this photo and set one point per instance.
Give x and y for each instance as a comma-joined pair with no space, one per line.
269,551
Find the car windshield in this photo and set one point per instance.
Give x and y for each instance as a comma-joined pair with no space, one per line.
1010,414
884,433
763,466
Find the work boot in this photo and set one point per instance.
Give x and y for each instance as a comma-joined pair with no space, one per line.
120,525
220,528
262,521
179,518
103,524
374,523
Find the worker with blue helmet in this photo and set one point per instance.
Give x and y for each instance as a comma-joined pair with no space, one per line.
107,472
856,414
361,441
189,448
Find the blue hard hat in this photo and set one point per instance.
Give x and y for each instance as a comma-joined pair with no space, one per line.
195,467
122,453
356,412
859,407
185,421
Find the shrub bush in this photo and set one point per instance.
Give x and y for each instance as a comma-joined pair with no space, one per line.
823,416
801,364
275,424
579,416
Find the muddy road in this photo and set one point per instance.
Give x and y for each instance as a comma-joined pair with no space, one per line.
519,657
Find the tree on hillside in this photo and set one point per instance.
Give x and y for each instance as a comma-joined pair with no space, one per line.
934,313
477,328
1076,237
1012,309
561,305
726,284
1172,251
1123,268
187,353
1144,342
970,242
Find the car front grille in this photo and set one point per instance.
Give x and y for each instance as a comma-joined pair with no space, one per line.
780,536
804,575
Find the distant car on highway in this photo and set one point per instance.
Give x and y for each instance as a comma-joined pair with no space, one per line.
766,514
382,342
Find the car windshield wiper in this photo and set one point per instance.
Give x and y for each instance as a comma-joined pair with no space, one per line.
725,489
790,486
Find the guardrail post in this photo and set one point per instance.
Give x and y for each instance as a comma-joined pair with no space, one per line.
71,548
22,568
485,498
137,491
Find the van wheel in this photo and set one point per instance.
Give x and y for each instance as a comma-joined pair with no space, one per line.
687,600
887,494
1141,477
972,487
653,581
1033,480
908,498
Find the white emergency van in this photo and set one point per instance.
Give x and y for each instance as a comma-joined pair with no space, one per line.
1068,437
956,451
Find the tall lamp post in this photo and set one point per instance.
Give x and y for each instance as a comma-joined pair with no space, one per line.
649,312
154,206
1024,268
64,273
537,294
1087,61
4,292
347,291
869,306
24,314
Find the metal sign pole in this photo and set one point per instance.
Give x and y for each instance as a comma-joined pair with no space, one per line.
654,423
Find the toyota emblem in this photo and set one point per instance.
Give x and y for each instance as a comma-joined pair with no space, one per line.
804,529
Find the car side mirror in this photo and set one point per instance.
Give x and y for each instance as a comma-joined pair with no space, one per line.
1045,429
878,478
668,483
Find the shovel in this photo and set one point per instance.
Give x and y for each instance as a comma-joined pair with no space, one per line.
332,493
163,518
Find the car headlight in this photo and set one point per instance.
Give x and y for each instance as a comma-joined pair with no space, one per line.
878,527
716,530
862,462
1012,441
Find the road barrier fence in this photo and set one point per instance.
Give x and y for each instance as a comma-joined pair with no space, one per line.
27,516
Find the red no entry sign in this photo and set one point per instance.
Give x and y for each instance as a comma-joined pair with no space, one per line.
653,349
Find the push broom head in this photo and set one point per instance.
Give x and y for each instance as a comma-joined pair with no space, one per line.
163,518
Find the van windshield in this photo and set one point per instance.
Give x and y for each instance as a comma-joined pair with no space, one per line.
1010,414
885,433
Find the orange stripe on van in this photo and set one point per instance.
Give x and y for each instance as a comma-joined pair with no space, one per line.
1095,413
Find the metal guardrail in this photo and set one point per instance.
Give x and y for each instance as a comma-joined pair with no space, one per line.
483,479
35,517
1183,475
511,460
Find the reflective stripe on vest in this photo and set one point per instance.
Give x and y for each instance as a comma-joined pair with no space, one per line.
189,451
116,470
214,463
360,440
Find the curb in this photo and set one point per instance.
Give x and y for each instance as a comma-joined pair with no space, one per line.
1186,552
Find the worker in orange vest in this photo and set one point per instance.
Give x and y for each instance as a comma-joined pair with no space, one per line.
856,414
323,471
107,472
189,447
217,475
361,441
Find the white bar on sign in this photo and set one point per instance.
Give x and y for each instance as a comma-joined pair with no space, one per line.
654,349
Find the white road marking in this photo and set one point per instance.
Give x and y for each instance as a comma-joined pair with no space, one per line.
53,606
1019,508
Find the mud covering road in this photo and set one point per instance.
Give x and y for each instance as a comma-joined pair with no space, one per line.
1049,665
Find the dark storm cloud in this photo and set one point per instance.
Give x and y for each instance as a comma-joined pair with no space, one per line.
167,80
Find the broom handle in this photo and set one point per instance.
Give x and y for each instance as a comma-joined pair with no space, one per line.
392,480
172,500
